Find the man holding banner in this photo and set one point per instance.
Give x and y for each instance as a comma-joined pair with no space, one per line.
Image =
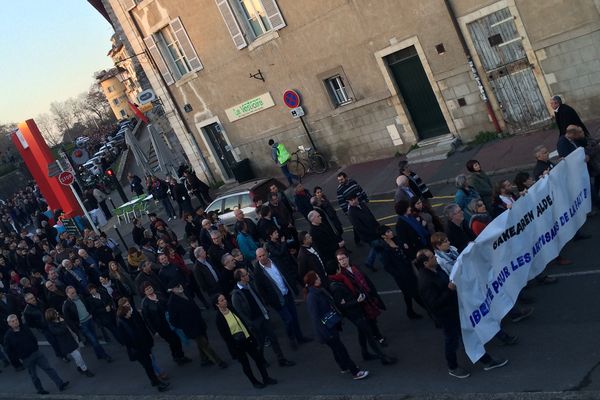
439,294
516,247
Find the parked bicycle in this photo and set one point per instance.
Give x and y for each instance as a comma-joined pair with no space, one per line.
306,160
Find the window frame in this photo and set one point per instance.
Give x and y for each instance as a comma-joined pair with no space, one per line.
337,94
327,76
164,47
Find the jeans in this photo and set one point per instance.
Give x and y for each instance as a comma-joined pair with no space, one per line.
289,315
146,361
368,334
342,358
372,256
88,330
173,340
168,207
35,360
290,177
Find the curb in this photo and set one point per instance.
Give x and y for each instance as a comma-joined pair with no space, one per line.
564,395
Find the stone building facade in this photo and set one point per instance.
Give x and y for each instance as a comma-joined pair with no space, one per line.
375,76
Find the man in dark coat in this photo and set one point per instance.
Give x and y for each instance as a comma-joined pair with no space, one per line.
457,229
309,259
207,275
565,116
439,295
365,226
21,344
135,184
184,314
253,312
324,240
275,289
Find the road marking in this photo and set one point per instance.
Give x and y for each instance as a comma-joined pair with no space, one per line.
560,275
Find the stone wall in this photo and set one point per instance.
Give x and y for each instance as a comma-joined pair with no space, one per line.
572,70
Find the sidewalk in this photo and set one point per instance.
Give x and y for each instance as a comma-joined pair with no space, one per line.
501,156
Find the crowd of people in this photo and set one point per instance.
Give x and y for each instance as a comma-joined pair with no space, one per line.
77,290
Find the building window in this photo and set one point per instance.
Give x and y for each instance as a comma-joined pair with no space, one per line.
337,90
116,102
123,113
110,89
172,52
255,16
247,20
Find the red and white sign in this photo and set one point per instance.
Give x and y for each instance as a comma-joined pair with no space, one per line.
66,178
291,98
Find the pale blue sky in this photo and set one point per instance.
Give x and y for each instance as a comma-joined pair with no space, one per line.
50,50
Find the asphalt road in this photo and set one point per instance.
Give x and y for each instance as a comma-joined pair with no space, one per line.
557,355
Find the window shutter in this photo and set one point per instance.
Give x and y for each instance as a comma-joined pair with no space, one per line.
186,45
232,25
128,4
273,13
160,62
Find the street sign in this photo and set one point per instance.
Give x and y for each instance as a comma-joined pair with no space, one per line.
291,98
146,96
297,112
66,178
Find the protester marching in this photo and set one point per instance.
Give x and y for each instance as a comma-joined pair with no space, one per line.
465,268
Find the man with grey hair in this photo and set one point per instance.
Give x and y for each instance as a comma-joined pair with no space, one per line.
403,190
457,228
206,274
218,248
21,344
325,240
565,116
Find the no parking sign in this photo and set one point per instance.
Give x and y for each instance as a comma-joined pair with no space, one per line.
291,98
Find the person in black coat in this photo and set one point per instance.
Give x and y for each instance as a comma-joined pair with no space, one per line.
439,295
411,239
309,259
33,317
21,344
65,340
397,264
279,252
154,310
457,229
278,295
184,314
139,343
365,226
324,240
102,307
135,184
351,301
565,115
327,322
138,232
240,342
180,195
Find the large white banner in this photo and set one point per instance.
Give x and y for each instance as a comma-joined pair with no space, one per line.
516,247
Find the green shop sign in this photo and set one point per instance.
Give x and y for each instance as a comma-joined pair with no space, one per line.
250,107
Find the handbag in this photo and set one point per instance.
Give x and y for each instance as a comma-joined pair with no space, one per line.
239,338
331,319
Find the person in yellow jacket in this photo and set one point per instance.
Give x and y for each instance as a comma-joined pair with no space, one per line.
281,156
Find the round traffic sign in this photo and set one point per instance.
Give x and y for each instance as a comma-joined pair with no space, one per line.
291,98
66,178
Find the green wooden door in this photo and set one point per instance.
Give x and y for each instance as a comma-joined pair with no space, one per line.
417,93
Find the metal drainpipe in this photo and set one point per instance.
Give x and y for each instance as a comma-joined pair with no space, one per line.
463,42
174,101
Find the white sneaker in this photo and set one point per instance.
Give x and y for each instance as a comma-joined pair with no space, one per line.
360,375
169,219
